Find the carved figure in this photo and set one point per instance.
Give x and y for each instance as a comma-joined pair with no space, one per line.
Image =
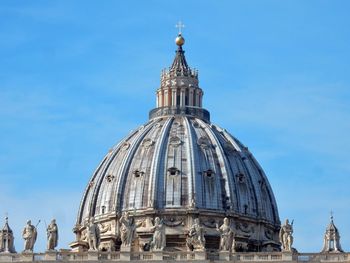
104,228
226,236
52,235
92,234
286,237
196,239
159,238
29,235
127,229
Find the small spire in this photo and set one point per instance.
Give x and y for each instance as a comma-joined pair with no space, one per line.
331,238
180,66
6,226
7,238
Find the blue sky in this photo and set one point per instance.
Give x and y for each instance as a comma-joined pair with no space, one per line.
77,76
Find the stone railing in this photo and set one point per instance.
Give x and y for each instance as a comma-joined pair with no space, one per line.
327,257
69,256
188,111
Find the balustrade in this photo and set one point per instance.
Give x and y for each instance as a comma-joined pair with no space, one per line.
69,256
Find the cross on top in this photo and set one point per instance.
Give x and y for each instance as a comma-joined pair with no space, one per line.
180,25
331,214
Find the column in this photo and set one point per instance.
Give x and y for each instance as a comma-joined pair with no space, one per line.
161,98
173,97
196,99
166,98
190,99
182,98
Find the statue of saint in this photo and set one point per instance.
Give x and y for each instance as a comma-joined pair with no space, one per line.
286,237
29,235
92,235
127,229
52,235
226,235
159,239
196,239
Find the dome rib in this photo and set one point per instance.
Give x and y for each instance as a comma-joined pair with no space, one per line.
248,188
157,167
221,165
230,178
255,194
224,166
191,163
124,171
87,192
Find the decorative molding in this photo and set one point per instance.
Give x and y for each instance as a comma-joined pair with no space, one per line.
209,222
203,142
174,221
147,143
125,146
175,141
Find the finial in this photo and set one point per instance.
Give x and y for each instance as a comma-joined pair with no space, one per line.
331,215
180,25
6,217
180,39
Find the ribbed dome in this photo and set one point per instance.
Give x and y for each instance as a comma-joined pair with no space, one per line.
179,166
180,162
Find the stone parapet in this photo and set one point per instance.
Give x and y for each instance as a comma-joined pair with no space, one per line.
185,111
68,256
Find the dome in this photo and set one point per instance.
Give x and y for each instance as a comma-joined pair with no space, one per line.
179,167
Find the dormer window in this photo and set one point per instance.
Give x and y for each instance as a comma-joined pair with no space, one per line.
109,178
240,177
209,173
138,173
173,171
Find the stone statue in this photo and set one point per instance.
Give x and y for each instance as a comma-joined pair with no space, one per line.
127,229
195,239
286,237
52,235
226,236
92,235
159,238
29,235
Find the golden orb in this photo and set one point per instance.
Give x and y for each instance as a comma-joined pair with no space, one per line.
179,40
